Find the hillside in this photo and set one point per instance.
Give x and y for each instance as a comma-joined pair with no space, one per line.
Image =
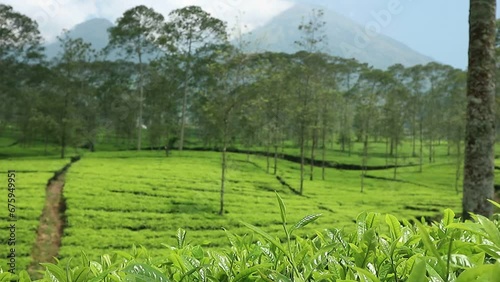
280,34
94,31
344,38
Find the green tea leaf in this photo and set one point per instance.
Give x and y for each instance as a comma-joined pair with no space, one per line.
483,273
493,234
56,271
418,272
81,275
249,271
449,217
494,203
303,222
145,273
282,208
177,261
181,237
394,226
266,236
367,274
372,219
429,245
24,276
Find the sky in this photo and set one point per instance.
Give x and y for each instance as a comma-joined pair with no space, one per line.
436,28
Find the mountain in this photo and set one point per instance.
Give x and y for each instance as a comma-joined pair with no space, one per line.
345,37
94,31
281,32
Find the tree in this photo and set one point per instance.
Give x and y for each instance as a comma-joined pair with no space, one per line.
436,75
223,92
20,46
480,127
20,38
454,117
192,28
72,78
164,89
139,33
349,71
313,35
372,83
394,111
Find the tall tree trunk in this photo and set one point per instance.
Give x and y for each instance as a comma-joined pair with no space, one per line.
275,159
63,139
141,98
458,165
480,126
349,146
386,151
364,162
302,144
223,172
448,143
268,152
184,99
421,145
64,122
323,154
414,136
395,159
430,149
313,147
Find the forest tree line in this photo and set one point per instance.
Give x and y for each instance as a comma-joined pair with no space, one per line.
182,74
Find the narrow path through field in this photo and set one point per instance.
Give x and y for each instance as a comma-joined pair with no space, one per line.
50,228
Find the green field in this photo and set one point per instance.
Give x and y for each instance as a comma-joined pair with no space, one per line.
119,199
32,175
115,200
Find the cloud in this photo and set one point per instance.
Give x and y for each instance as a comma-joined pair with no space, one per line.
55,15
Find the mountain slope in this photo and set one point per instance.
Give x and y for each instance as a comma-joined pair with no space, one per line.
94,31
345,38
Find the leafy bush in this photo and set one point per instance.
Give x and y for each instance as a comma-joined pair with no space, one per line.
382,249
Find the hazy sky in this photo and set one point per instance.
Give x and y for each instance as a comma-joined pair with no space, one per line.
437,28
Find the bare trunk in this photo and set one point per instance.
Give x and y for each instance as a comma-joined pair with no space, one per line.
480,127
222,181
414,137
302,144
275,159
63,140
430,149
323,155
184,99
391,152
313,147
395,159
364,162
223,172
449,147
386,151
64,125
421,146
458,167
268,161
141,97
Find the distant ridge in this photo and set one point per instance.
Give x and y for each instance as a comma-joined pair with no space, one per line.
280,33
344,38
94,31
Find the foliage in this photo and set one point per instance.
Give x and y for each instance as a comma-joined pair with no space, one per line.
382,248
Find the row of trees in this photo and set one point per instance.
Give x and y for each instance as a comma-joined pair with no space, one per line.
183,73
